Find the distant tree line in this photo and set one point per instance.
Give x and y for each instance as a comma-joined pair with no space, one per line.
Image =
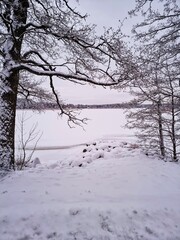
23,104
42,105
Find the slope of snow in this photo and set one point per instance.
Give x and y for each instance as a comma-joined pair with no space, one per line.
106,190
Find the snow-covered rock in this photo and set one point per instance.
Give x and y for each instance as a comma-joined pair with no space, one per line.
35,162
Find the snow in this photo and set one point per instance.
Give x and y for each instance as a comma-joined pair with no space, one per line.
56,132
106,188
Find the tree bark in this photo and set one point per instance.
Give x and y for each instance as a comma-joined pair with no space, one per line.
160,128
173,138
7,120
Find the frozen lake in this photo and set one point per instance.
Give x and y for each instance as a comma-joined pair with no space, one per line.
56,132
102,123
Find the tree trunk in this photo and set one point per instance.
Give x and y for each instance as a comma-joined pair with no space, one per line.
160,128
14,19
8,98
173,138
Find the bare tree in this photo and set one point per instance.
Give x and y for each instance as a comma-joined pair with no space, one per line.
160,26
158,37
148,117
51,39
24,139
157,92
171,93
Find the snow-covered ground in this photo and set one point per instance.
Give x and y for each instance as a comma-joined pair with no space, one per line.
106,189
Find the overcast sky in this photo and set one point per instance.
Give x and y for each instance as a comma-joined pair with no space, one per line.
102,13
108,12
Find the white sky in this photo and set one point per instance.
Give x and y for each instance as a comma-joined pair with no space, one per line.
102,13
